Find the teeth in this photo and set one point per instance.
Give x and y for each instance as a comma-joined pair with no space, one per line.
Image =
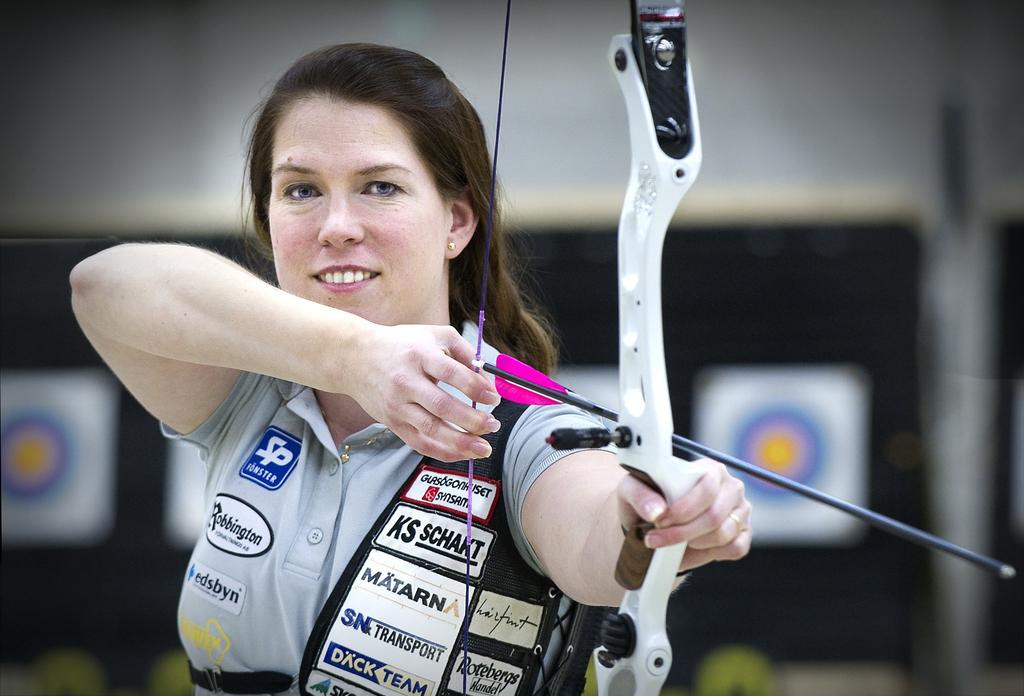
346,277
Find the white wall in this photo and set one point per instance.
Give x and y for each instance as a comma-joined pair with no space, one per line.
128,117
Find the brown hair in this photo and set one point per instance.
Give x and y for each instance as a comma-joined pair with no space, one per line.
447,133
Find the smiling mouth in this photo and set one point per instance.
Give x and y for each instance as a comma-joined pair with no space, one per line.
346,277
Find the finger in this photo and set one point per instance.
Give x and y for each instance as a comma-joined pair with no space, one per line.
733,551
446,368
736,523
457,370
712,527
446,407
696,501
638,501
435,438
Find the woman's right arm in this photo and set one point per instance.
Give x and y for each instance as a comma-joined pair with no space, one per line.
177,324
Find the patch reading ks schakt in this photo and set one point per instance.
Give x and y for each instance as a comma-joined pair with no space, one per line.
434,537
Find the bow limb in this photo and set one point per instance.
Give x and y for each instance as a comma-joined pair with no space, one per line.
658,181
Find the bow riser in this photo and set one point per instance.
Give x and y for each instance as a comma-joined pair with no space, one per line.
657,184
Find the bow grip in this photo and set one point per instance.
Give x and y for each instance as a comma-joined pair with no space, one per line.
634,556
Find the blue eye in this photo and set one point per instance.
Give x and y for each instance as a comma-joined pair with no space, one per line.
300,192
383,188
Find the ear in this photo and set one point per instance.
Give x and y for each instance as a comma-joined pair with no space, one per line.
464,222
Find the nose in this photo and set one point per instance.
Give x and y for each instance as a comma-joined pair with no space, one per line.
341,226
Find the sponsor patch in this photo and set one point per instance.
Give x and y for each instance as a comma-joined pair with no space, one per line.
272,460
396,613
216,587
428,593
210,638
506,619
378,672
323,684
236,527
437,538
447,490
484,676
405,640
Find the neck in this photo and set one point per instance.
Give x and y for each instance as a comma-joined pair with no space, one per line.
343,414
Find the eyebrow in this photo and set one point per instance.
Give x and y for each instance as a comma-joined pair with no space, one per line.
366,171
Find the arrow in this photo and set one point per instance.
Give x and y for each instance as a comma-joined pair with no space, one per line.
517,381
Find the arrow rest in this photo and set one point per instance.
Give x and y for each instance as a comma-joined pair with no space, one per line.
589,438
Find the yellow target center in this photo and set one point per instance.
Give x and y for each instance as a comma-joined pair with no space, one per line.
31,456
778,452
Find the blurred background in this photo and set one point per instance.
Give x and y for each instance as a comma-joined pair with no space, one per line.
843,303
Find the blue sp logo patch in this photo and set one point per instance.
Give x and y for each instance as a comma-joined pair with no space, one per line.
273,459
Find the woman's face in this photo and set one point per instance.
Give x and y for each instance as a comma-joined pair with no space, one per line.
356,221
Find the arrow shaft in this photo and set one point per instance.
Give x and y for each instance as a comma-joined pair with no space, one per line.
683,446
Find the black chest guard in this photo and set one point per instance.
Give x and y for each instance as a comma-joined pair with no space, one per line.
394,623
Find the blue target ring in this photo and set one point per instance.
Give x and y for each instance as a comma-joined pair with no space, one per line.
784,440
36,454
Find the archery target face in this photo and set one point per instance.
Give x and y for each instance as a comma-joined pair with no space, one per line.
785,440
57,438
808,424
35,452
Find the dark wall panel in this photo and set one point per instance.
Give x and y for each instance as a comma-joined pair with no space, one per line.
799,295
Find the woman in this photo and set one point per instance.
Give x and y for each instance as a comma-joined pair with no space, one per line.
334,412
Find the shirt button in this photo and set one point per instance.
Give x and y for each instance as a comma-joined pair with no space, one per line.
315,536
332,468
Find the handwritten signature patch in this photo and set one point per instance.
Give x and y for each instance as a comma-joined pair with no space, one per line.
506,619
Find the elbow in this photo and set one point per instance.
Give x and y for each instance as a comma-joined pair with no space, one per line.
89,279
84,278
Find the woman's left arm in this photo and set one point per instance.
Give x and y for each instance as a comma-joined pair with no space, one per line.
574,514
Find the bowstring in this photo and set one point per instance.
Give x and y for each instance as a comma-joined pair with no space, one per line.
480,336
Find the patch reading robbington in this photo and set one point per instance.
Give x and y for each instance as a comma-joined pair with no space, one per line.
236,527
506,619
485,676
437,538
449,490
396,613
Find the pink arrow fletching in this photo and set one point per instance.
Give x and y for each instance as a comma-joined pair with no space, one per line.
522,395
